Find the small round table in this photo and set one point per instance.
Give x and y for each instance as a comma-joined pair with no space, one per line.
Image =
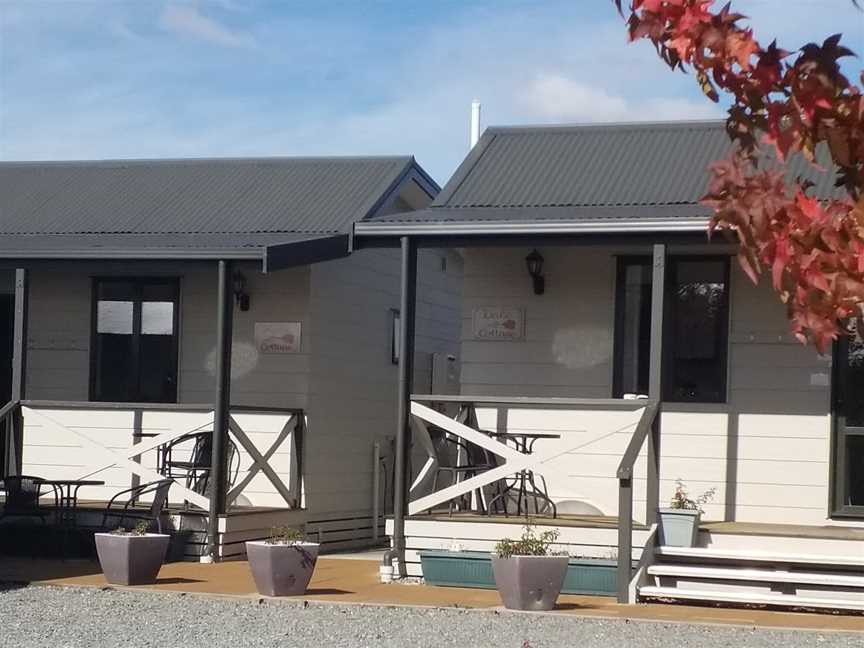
524,443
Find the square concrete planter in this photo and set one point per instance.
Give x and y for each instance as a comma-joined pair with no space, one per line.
282,569
678,527
529,582
131,559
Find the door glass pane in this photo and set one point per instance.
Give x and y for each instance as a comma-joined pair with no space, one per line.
157,318
634,328
855,470
114,349
114,317
697,345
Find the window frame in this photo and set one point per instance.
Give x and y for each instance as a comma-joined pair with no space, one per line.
672,262
618,331
138,283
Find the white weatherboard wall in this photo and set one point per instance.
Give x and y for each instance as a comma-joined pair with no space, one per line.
766,451
353,381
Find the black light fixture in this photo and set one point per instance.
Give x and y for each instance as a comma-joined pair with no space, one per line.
240,294
534,262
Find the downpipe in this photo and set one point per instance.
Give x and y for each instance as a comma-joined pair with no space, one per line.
385,571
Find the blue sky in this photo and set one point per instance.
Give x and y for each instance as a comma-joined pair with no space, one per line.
182,78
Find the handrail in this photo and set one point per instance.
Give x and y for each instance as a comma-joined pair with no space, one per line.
625,498
628,460
528,401
8,408
110,405
151,407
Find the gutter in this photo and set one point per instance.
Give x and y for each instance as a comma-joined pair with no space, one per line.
479,228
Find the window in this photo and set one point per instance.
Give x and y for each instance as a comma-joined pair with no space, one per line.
134,347
632,326
696,322
696,330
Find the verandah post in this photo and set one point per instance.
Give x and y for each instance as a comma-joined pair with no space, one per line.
408,301
655,380
15,426
221,407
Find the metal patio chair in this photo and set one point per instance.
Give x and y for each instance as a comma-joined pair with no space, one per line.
195,471
128,508
23,498
452,457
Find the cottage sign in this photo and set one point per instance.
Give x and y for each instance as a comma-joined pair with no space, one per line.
499,323
277,337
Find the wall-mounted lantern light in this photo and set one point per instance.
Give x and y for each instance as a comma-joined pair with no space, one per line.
534,262
240,294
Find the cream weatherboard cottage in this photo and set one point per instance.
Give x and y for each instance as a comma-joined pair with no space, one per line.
143,300
600,323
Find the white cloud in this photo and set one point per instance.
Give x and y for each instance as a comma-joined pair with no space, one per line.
554,97
187,20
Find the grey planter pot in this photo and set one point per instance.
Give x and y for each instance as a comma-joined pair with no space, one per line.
131,559
282,569
529,582
678,527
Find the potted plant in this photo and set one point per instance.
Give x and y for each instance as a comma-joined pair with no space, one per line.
527,574
679,524
282,565
131,557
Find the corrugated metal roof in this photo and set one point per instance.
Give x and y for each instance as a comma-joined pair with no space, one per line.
205,196
588,166
586,175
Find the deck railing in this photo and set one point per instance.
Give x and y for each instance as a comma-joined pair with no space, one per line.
285,425
625,499
548,459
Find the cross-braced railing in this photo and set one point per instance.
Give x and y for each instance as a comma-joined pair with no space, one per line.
54,419
599,426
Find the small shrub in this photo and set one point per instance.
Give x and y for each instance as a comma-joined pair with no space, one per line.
530,544
139,529
283,535
681,498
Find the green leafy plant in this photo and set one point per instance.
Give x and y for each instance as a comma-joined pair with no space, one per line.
283,535
530,544
681,498
139,529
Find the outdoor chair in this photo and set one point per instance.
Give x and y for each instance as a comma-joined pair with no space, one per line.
124,507
23,494
195,466
452,457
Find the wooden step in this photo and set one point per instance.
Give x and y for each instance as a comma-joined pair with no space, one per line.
785,600
828,579
703,553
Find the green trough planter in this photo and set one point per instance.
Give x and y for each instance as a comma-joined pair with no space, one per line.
595,576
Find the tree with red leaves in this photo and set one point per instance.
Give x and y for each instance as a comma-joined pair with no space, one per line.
794,104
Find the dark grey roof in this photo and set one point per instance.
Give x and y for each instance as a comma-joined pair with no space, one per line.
188,208
645,176
193,196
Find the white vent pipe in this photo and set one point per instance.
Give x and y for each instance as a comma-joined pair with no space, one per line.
475,122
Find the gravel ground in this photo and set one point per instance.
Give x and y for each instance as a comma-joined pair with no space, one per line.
52,617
